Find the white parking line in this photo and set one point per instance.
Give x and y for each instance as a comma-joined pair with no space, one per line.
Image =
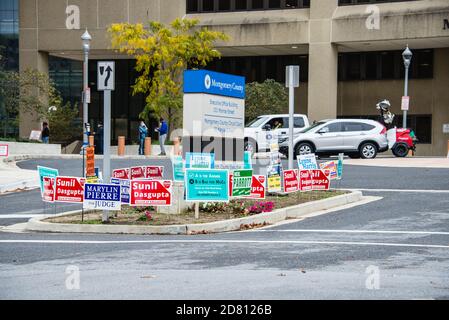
355,231
382,244
398,190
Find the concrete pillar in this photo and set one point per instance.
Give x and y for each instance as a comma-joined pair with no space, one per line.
147,147
323,61
121,146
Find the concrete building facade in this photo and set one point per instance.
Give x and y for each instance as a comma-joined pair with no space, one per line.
349,52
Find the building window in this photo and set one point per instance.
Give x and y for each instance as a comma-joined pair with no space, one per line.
384,65
200,6
352,2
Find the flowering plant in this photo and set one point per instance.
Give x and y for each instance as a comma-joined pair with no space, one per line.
260,207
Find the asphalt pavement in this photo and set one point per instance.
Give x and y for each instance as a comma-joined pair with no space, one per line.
394,247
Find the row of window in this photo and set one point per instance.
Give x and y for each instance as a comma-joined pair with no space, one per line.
384,65
199,6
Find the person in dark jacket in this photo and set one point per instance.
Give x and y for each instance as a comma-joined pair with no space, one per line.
163,131
143,130
45,132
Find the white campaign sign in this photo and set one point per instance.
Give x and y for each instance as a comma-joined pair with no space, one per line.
217,115
106,75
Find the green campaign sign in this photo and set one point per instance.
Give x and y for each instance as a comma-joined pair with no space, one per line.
241,183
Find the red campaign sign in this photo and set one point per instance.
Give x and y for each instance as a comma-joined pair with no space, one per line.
151,192
258,187
154,172
121,173
137,173
231,180
291,183
69,189
305,180
320,180
49,189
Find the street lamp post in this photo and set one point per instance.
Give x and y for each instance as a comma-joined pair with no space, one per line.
407,57
86,38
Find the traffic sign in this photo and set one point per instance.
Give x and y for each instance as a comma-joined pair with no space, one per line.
69,189
151,193
102,196
291,183
105,75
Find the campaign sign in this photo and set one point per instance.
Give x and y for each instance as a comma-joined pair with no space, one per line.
124,189
90,161
340,166
69,189
154,172
291,183
258,187
247,161
241,183
151,192
121,173
4,152
320,181
46,172
305,180
274,183
137,173
178,168
207,185
198,160
49,189
307,161
102,196
332,167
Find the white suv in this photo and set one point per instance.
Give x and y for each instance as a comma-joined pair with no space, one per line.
354,137
256,130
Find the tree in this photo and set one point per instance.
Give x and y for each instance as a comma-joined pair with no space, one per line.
268,97
162,53
63,127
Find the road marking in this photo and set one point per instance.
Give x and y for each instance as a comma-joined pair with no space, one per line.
382,244
355,231
398,190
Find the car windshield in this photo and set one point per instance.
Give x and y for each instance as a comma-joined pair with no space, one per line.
313,126
256,122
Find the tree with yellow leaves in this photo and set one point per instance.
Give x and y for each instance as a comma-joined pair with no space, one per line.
162,53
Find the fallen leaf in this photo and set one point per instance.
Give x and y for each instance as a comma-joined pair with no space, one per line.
148,277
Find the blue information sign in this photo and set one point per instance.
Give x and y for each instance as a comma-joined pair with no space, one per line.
205,81
207,185
101,196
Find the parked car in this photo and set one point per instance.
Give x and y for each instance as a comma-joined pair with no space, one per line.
256,130
353,137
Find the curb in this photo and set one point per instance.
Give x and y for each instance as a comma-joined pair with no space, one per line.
293,212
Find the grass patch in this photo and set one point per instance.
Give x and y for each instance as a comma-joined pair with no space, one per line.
209,212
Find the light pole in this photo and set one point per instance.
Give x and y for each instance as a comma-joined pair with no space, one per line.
407,57
86,38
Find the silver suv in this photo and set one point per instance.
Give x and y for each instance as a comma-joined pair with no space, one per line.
354,137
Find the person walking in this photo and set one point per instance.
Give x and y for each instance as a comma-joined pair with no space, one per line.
143,130
45,132
163,131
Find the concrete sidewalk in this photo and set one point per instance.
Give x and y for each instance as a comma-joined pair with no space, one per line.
408,162
12,178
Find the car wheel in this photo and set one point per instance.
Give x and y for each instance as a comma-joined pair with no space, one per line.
251,146
303,148
400,150
368,150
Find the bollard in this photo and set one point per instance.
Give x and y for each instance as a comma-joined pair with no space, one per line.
121,146
91,140
147,147
176,151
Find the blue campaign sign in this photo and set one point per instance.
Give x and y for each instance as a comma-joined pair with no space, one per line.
124,190
198,160
102,196
205,81
178,168
46,172
207,185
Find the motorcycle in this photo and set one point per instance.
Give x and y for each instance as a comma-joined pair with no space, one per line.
400,140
